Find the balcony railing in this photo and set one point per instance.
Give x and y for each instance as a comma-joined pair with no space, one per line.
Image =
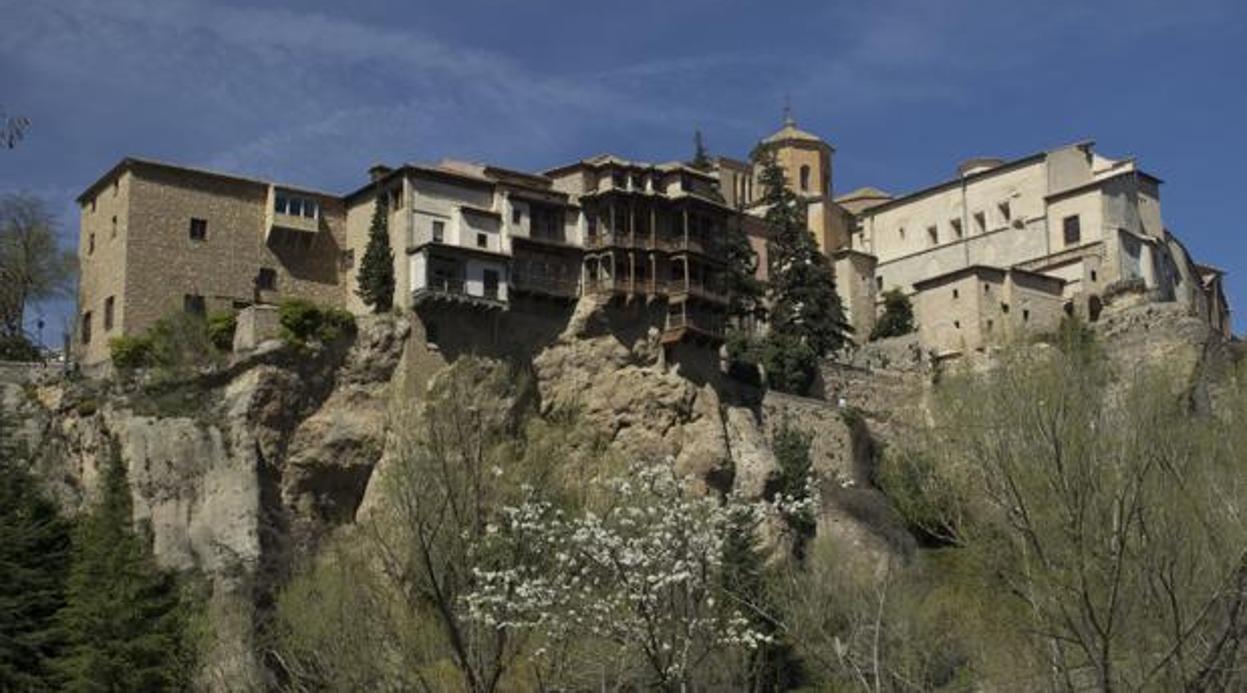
703,323
455,288
554,286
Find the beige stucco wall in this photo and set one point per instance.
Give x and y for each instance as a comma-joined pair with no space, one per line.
855,284
948,315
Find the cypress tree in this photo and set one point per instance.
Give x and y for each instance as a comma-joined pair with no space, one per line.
124,621
701,159
376,272
34,562
804,302
745,290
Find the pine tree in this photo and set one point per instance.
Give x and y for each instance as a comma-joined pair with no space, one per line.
745,290
376,272
34,563
701,159
803,298
773,666
124,621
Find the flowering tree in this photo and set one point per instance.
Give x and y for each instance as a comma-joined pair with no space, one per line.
643,574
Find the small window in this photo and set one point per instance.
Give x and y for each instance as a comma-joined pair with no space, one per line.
114,235
805,179
199,229
280,203
439,231
618,179
980,222
430,332
593,224
987,288
879,283
989,325
956,225
956,293
194,304
90,243
933,235
93,204
1006,214
267,279
517,215
957,324
348,258
1093,277
116,187
685,184
396,198
1004,308
901,231
296,207
1026,315
108,313
311,208
1072,229
86,327
482,241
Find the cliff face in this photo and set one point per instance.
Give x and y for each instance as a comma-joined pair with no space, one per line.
241,473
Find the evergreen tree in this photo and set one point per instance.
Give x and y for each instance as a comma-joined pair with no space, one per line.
124,621
376,272
745,290
34,562
803,299
701,159
897,318
773,666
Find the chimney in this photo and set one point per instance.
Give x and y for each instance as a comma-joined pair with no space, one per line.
378,171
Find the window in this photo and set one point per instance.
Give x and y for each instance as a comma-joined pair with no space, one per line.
295,207
439,231
396,198
1006,215
1026,315
685,184
956,293
933,235
987,288
93,204
491,283
348,259
90,243
116,187
618,179
86,327
430,332
593,224
956,224
805,179
114,235
482,241
517,215
1093,277
194,304
1004,308
311,208
879,283
199,229
267,279
281,203
980,222
957,324
989,325
901,231
1072,229
108,313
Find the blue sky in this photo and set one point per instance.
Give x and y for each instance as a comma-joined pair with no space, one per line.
313,92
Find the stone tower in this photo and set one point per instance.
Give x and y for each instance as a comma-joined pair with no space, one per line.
806,160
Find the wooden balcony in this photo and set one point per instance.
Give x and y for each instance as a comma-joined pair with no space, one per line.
453,290
555,287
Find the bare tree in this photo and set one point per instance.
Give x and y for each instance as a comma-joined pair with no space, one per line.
12,129
32,266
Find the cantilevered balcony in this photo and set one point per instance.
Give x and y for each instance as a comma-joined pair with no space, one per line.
289,212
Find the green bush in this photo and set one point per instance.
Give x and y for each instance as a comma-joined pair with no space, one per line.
132,351
303,321
791,365
897,318
221,327
18,348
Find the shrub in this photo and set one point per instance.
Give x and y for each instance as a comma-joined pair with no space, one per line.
131,351
791,365
221,327
18,348
303,321
180,342
897,318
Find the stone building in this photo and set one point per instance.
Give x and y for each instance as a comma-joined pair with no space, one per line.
1049,233
157,238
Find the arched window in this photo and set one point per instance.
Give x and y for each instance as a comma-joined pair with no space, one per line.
805,179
